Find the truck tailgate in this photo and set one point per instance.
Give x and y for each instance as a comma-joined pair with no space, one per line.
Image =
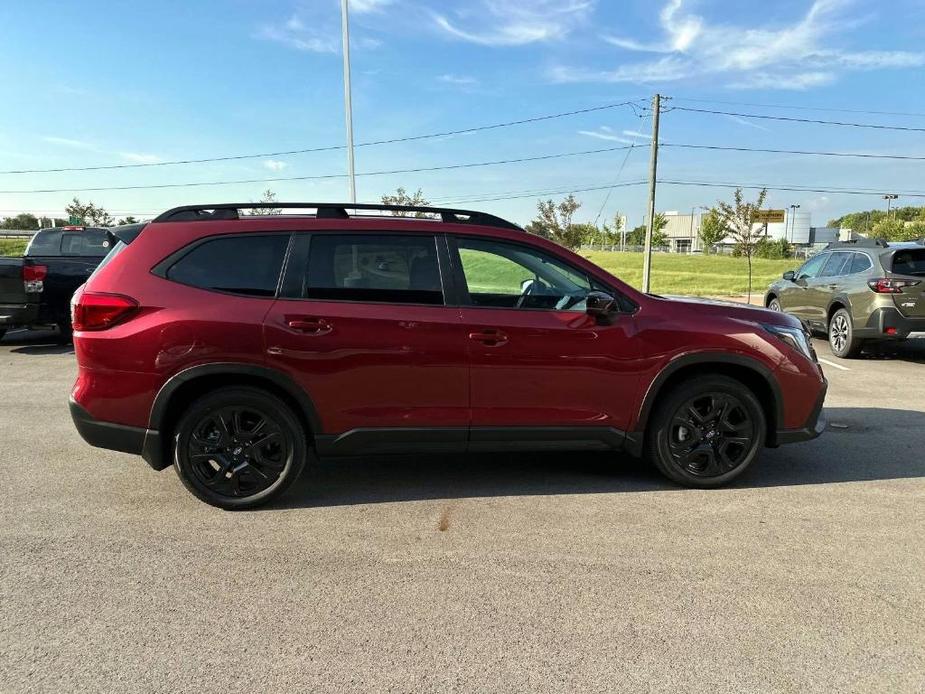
11,287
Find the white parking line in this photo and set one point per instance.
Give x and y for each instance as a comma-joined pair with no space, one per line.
833,364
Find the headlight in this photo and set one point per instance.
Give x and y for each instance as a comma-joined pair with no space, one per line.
795,337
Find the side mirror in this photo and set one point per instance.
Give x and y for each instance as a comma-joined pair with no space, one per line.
790,275
600,306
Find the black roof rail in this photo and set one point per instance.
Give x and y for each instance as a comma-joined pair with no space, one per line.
329,210
859,243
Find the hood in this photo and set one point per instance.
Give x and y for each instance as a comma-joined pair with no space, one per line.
732,309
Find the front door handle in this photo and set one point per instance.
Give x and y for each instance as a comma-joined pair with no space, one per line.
490,337
309,326
833,286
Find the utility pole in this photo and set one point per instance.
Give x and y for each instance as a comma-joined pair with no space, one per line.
793,220
653,170
348,105
889,197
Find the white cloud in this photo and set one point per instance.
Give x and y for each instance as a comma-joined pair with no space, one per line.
295,34
67,142
364,6
140,158
459,80
517,22
603,134
274,164
793,56
636,133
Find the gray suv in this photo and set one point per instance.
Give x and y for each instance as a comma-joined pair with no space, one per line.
857,292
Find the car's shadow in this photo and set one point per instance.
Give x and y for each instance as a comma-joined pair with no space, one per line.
862,444
36,342
912,351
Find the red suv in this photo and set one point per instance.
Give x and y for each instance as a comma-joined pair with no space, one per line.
236,346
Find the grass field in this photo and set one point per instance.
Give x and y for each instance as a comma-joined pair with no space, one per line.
711,275
12,246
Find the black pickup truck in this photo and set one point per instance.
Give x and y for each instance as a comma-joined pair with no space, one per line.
36,290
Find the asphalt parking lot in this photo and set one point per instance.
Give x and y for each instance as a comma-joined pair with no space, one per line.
482,573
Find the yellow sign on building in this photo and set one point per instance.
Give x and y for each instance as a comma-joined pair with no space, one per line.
768,217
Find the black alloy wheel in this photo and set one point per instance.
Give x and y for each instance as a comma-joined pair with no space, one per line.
707,431
239,447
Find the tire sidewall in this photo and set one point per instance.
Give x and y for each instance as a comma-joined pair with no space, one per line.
658,444
849,342
253,397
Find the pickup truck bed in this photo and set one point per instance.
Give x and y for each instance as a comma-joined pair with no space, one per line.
37,288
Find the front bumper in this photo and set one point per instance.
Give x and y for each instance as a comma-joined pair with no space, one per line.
814,426
118,437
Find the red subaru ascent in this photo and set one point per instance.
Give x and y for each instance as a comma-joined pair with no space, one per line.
236,346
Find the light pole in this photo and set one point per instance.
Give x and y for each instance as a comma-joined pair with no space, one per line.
691,232
889,197
793,219
348,106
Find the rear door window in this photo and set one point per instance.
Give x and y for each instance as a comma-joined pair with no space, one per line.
248,265
860,263
379,268
909,262
45,243
836,265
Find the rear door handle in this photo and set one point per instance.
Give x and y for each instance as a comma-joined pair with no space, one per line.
490,337
309,326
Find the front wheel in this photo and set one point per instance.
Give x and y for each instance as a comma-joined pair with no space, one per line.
237,448
706,431
841,336
774,305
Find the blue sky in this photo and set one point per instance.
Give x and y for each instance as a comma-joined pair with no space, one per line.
97,82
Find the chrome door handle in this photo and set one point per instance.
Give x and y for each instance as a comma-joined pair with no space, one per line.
310,326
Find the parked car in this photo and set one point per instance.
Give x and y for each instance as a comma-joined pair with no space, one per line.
857,292
234,347
36,289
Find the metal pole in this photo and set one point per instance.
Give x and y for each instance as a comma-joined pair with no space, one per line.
690,233
348,105
653,170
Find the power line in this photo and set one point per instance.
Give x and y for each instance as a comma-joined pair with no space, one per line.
197,184
790,188
860,155
537,193
803,108
791,119
328,148
616,180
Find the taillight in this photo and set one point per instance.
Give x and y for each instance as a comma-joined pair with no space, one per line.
888,285
33,277
100,311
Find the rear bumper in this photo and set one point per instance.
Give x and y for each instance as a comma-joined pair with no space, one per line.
118,437
814,426
18,314
889,318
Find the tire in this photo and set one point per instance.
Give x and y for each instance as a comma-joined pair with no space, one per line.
706,431
774,304
842,341
238,448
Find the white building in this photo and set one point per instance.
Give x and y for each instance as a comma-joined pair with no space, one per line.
683,230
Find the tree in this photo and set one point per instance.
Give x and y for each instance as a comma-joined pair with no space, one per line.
89,214
712,230
636,237
738,219
401,197
537,229
897,230
127,220
556,219
659,237
268,200
611,234
20,221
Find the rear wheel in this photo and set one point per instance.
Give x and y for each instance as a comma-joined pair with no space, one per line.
841,336
237,448
706,431
774,304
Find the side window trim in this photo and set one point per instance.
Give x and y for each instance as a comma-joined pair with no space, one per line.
459,278
293,284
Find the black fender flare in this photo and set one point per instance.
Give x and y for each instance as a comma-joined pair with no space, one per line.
159,409
838,299
635,439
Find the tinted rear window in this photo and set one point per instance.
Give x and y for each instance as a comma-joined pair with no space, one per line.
247,265
909,262
92,243
387,268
